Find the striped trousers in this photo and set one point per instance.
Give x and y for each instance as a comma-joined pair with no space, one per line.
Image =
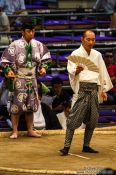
85,110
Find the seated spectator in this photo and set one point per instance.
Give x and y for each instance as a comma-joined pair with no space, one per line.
4,27
60,95
108,6
111,67
13,7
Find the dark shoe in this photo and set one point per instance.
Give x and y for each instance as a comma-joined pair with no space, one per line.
88,149
64,151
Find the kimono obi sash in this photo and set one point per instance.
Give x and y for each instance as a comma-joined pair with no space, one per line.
26,73
88,86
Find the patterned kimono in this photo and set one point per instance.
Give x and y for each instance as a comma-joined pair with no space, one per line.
26,70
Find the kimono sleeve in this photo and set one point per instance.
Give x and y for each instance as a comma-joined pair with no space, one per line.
45,57
105,79
8,57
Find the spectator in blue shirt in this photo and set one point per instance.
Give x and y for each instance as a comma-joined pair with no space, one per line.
12,6
108,6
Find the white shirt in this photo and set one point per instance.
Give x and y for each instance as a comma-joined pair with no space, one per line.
101,78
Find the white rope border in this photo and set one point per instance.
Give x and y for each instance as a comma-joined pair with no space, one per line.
37,171
105,130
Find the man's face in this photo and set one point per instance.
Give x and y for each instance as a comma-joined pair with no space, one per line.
108,58
57,88
28,34
88,40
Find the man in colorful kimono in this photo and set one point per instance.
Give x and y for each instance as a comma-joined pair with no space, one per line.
23,61
86,83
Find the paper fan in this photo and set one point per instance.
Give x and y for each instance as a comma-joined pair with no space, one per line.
83,61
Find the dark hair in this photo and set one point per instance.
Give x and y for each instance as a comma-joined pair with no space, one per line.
27,23
108,52
56,80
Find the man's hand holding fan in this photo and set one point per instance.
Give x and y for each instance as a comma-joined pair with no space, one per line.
83,62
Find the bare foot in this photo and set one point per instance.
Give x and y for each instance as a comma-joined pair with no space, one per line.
14,136
33,134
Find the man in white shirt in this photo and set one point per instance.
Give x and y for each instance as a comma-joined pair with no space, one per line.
86,84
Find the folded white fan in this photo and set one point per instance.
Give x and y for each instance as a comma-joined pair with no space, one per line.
83,61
